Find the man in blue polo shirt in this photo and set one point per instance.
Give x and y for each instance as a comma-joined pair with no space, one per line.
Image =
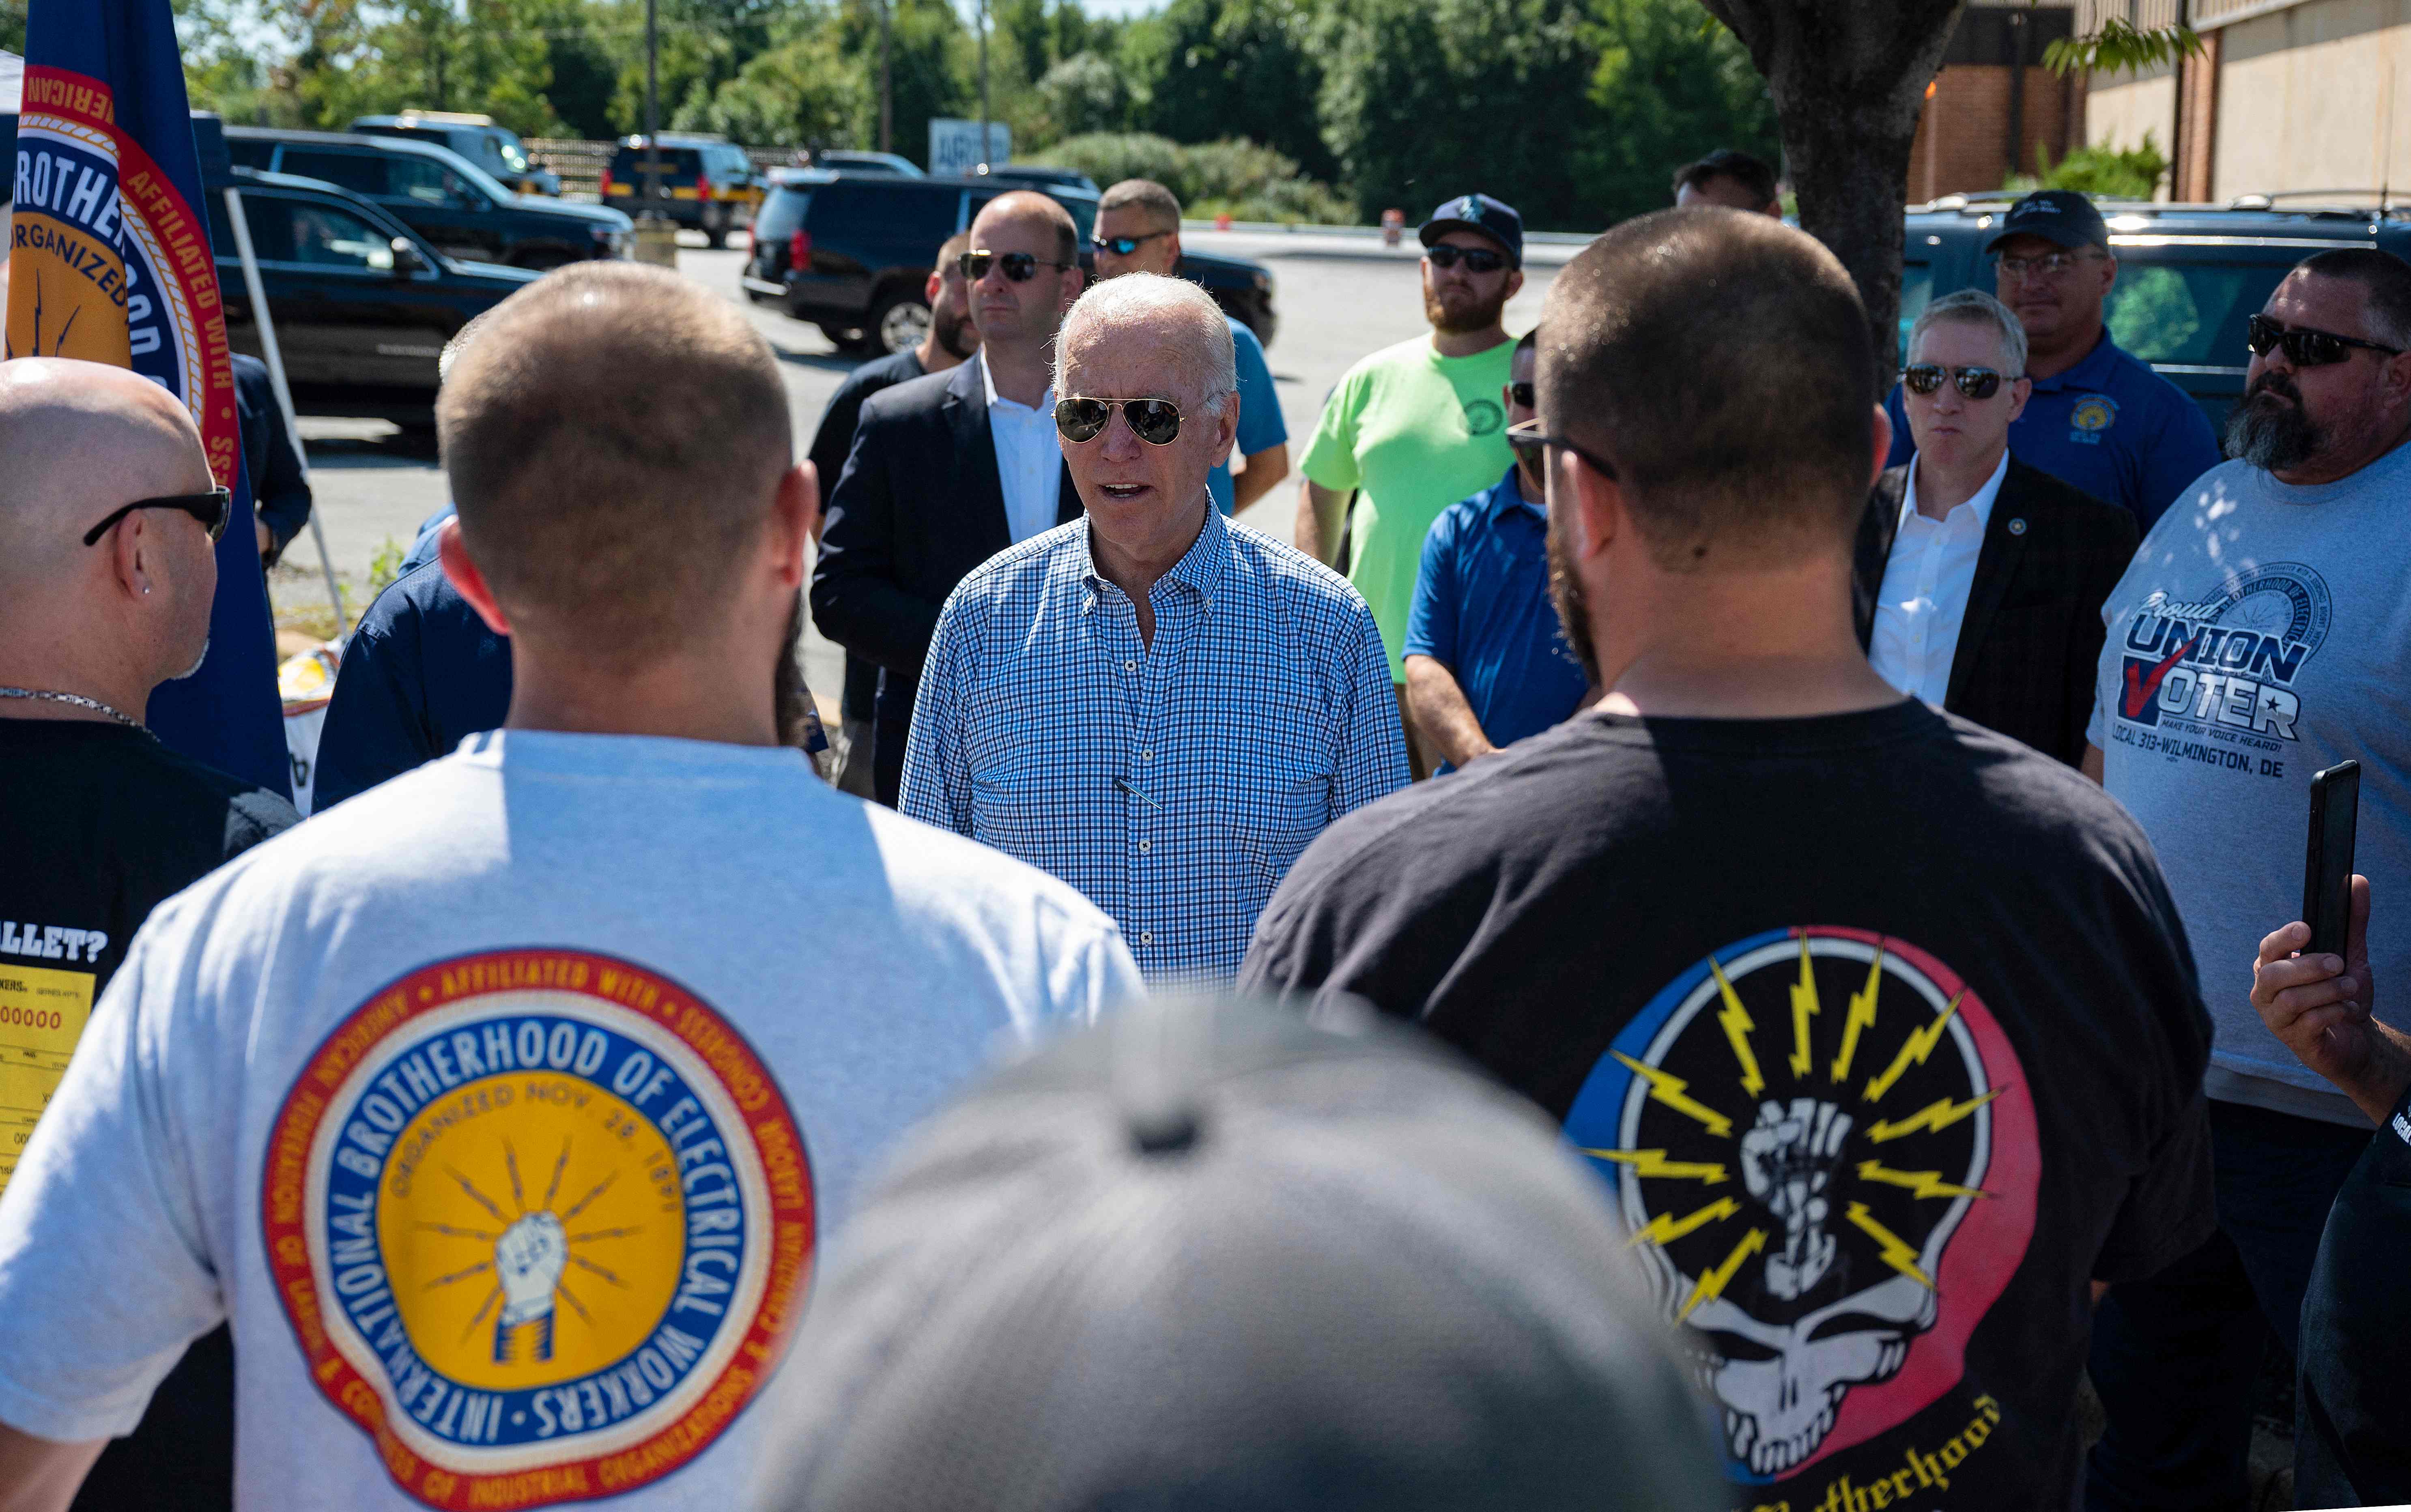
2099,419
1487,662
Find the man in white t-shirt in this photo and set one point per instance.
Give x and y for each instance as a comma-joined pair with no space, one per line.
2260,635
502,1110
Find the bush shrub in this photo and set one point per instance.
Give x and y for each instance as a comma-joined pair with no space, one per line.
1243,178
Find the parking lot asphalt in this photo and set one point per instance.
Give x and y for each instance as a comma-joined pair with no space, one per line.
1338,298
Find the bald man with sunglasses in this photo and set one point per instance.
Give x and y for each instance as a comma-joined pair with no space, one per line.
1160,706
108,520
948,470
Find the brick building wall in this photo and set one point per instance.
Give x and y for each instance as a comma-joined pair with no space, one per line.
1963,139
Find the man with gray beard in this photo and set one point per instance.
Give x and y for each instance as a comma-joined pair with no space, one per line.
2260,636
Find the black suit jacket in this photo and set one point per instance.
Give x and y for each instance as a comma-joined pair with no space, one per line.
918,506
2031,635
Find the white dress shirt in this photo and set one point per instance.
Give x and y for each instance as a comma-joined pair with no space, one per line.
1926,586
1028,463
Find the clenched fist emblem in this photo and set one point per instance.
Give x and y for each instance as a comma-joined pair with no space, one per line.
529,1259
1787,1160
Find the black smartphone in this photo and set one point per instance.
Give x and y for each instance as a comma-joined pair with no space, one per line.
2327,868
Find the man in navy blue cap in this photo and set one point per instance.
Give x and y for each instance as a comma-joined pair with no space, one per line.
1416,427
2100,417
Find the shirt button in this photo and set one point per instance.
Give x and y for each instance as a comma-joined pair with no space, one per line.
1147,755
1144,846
1129,666
1146,938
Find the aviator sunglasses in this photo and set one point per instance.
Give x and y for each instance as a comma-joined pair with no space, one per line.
1476,259
212,509
1976,383
2305,347
1020,267
1155,421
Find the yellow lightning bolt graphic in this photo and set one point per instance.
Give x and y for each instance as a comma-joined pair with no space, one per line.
1668,1089
1737,1025
1653,1163
1862,1016
1665,1229
1804,1007
1895,1253
1920,1044
1711,1283
1920,1183
1939,1114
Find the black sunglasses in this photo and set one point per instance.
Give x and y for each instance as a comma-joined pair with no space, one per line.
1155,421
1124,246
1522,395
2305,347
1020,267
1976,383
1476,259
1529,439
212,509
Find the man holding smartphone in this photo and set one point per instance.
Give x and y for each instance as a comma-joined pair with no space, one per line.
2260,636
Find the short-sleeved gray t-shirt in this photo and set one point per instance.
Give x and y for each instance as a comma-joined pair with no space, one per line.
2263,633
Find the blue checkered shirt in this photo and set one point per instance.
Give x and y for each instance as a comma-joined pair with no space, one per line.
1174,784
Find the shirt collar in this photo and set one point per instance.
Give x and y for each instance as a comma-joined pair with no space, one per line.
2091,372
1982,500
987,387
1199,569
1507,494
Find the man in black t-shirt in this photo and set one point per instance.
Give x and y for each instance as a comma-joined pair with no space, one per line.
107,573
949,341
1881,1027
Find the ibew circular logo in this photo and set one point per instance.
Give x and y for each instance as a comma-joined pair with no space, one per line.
541,1221
1484,417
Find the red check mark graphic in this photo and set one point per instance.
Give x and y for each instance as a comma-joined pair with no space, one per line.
2141,688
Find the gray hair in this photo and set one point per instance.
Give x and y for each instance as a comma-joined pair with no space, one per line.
1206,357
1974,307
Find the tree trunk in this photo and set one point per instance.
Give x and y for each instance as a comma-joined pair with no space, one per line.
1849,80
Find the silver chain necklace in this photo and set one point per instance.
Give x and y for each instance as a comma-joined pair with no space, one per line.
80,702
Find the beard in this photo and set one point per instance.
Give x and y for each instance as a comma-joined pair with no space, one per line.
954,335
1477,315
1572,599
787,692
2271,433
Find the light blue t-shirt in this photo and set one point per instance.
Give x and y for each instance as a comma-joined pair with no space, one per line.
504,1108
1260,415
2260,635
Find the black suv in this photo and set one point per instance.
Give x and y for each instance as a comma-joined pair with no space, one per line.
2188,275
851,253
708,184
362,306
453,203
497,149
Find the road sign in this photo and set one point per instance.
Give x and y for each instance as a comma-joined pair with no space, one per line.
954,145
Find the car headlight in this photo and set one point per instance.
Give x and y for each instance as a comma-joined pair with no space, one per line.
1264,283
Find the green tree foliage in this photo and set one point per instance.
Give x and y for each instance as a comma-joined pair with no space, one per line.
1083,94
2128,173
930,69
1670,85
485,55
1249,181
808,91
1252,69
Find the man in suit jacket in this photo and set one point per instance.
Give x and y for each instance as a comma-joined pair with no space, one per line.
1979,579
949,470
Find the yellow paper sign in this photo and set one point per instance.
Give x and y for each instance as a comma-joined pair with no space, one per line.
43,1014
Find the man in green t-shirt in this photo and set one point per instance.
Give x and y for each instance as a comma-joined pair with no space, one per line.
1416,427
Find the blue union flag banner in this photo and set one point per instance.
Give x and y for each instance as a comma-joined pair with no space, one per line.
110,262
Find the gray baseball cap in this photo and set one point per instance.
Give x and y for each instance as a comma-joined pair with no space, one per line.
1207,1257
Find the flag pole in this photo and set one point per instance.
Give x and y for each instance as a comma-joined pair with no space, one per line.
274,359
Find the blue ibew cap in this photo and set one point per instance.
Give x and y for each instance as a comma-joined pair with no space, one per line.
1493,218
2062,217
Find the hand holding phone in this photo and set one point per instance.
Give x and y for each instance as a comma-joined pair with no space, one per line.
2327,865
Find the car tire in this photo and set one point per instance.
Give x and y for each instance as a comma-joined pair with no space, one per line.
897,323
715,229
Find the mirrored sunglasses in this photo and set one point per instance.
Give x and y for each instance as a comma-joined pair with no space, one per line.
1124,246
1926,377
1155,421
